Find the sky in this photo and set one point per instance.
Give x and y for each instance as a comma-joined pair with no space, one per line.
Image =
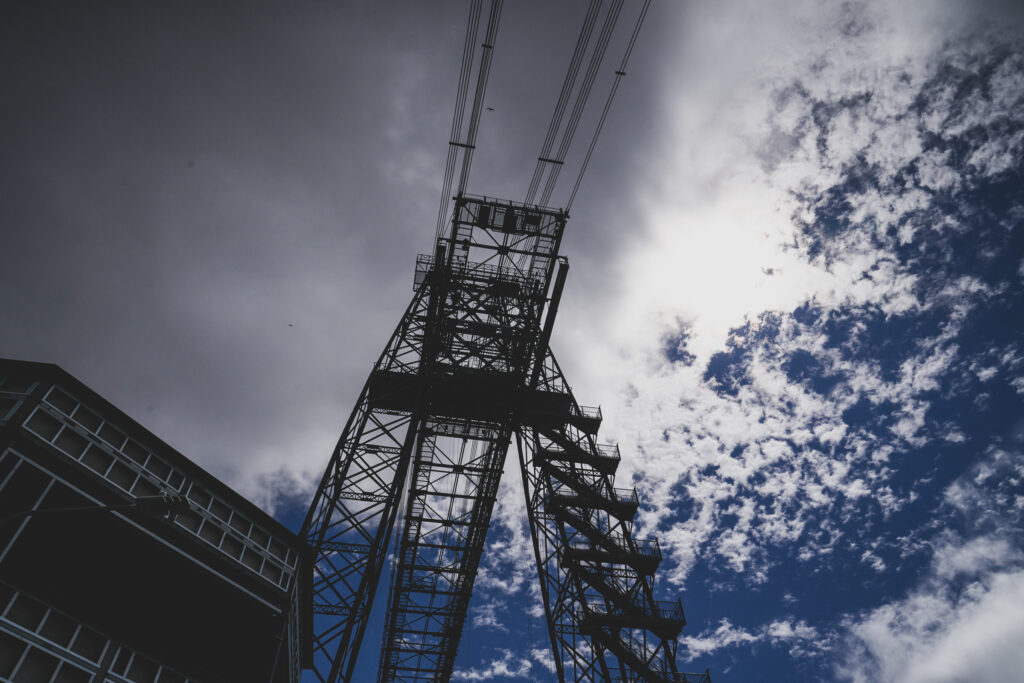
796,285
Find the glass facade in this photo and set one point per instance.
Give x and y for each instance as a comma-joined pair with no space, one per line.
104,597
39,644
83,435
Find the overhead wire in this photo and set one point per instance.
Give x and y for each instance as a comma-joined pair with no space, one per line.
546,161
563,97
493,20
483,74
581,97
472,25
619,73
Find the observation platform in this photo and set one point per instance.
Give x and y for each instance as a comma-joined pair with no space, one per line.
467,394
623,503
605,459
644,559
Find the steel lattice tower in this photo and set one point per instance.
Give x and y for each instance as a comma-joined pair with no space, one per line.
468,370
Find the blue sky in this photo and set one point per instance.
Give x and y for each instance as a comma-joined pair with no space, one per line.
796,287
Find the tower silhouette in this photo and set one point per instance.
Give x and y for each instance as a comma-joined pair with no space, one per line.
467,372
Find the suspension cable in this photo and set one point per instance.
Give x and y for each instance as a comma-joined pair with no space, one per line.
608,103
481,88
563,98
581,98
460,106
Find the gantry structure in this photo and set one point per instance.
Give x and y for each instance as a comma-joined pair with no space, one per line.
467,373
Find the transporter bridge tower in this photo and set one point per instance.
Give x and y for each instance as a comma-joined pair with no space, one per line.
468,372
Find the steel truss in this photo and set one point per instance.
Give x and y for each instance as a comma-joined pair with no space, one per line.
467,370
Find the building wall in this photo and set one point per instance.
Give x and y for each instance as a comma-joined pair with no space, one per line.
209,593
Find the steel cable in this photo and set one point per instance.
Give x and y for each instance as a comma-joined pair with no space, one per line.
581,98
563,98
608,103
481,89
472,25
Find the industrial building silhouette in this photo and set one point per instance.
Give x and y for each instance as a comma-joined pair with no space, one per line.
96,587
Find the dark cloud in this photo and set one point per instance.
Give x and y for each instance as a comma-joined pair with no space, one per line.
211,210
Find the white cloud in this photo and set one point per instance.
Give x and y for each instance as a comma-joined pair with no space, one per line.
544,658
798,637
789,439
507,666
962,620
974,557
724,635
933,636
736,233
876,562
486,616
508,562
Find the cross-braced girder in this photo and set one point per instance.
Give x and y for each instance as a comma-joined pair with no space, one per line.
468,370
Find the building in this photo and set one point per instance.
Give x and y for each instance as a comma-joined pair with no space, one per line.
217,592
